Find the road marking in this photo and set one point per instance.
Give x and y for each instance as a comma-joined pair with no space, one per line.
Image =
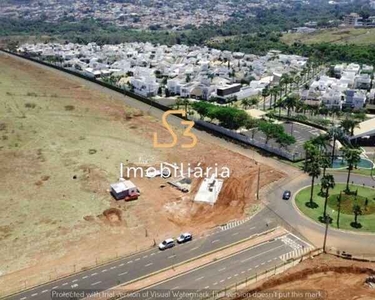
33,295
176,287
55,287
235,275
269,260
195,248
129,262
84,277
200,278
249,269
120,265
23,298
229,278
137,259
64,283
148,264
222,269
93,274
74,285
112,268
95,283
171,256
45,291
152,254
242,261
222,280
75,280
206,287
123,273
256,266
243,272
215,241
215,283
145,256
236,233
105,270
262,263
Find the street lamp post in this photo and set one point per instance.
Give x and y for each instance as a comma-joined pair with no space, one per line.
326,232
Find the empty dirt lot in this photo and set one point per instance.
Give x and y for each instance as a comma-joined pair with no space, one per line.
324,277
61,145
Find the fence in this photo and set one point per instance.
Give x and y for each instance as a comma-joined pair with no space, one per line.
235,289
199,124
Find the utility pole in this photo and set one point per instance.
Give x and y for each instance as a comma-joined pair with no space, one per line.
325,234
258,184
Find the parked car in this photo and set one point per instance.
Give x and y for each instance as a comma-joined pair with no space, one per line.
168,243
185,237
286,195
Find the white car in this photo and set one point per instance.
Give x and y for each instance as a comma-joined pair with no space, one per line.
168,243
185,237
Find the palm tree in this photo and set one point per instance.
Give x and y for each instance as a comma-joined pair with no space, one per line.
325,163
338,209
265,94
356,211
311,151
335,134
313,169
327,182
245,103
352,157
186,103
349,124
178,102
291,102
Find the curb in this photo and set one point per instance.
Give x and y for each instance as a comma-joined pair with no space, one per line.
319,224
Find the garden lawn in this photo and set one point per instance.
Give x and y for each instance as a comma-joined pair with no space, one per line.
367,219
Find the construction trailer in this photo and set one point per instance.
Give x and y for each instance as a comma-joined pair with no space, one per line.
124,190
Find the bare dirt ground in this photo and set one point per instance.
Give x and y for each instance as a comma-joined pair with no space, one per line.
324,277
61,145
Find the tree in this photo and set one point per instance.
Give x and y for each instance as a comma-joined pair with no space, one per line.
245,103
313,169
186,103
265,94
338,209
356,211
202,108
349,124
352,157
335,134
285,140
290,102
271,130
311,152
327,182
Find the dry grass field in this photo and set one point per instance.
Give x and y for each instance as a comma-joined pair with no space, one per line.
61,144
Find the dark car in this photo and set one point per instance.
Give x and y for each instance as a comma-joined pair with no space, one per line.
286,195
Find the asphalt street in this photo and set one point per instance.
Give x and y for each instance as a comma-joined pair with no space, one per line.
136,266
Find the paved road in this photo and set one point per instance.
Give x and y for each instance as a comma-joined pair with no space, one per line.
136,266
356,243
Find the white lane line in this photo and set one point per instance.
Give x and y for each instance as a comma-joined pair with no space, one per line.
222,269
74,285
236,233
150,264
45,291
95,283
145,256
55,287
235,275
152,254
269,260
112,268
75,280
105,270
252,228
84,277
262,263
129,262
273,249
229,278
221,281
33,295
23,298
123,273
172,256
195,248
215,241
242,272
200,278
256,266
176,287
64,284
120,265
206,287
249,269
93,274
137,259
215,283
